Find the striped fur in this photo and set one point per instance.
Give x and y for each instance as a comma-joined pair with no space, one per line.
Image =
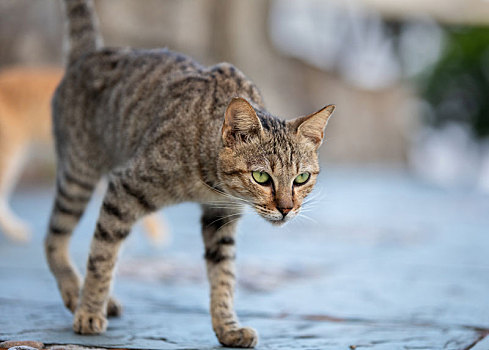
82,28
166,130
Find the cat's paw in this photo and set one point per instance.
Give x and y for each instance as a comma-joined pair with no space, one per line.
70,291
89,323
245,337
70,299
114,307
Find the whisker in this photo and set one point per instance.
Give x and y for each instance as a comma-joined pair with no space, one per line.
228,223
308,217
225,204
224,217
226,194
227,208
315,196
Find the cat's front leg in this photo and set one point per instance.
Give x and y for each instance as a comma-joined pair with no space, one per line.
218,229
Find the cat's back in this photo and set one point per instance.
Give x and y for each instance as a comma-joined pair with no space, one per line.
113,77
117,84
122,71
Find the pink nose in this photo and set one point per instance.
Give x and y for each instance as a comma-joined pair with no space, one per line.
284,211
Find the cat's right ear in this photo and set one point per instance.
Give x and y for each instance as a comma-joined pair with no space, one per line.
241,124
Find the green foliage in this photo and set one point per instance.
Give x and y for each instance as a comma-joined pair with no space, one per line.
458,86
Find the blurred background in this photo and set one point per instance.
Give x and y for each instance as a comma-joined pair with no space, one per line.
410,79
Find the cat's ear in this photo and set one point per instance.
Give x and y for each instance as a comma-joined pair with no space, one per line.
311,127
241,123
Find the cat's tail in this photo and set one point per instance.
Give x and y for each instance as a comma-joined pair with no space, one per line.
84,35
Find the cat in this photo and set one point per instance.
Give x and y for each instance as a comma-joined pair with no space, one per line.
165,130
25,119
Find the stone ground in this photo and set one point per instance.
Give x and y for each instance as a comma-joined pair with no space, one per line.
383,261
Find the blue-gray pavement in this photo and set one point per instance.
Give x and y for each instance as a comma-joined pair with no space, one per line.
382,261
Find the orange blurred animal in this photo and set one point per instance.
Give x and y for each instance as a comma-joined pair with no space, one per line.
25,117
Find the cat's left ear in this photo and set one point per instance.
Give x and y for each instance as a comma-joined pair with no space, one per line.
311,127
241,124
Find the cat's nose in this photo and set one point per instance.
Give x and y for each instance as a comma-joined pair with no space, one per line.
284,211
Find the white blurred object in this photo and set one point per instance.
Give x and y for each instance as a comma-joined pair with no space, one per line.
420,45
368,59
483,181
309,29
448,156
353,40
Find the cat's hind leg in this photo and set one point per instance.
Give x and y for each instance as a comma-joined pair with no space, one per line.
74,187
218,229
125,201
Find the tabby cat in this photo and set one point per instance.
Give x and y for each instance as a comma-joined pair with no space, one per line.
166,130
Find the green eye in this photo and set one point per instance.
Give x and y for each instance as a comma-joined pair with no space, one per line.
302,178
261,177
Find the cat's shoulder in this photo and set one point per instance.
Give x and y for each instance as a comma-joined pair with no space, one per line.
227,70
230,76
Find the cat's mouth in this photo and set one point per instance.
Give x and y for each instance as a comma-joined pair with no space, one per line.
274,215
278,219
279,222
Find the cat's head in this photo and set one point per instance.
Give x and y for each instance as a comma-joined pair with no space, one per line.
270,163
